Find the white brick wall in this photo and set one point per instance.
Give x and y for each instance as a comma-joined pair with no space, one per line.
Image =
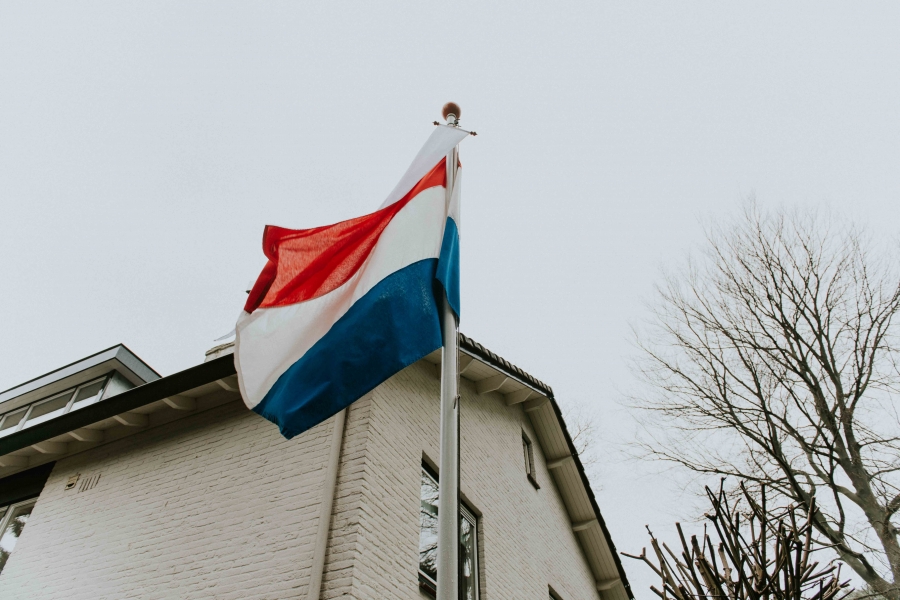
219,505
526,538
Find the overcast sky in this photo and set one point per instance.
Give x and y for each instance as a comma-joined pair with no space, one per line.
143,147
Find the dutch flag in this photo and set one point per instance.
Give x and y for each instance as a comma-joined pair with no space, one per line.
339,309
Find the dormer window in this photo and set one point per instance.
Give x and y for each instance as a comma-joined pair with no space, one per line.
10,421
60,404
85,394
528,452
66,410
88,394
47,409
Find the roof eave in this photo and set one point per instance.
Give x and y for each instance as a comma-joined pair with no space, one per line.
143,395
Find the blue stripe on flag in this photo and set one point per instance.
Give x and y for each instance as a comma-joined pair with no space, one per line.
395,324
448,264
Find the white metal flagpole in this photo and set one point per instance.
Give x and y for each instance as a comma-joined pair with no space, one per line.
448,490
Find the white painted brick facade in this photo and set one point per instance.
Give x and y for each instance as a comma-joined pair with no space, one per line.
219,505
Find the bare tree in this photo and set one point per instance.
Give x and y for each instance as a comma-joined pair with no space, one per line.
582,426
772,359
760,555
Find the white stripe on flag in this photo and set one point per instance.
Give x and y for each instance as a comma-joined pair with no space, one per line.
436,148
270,340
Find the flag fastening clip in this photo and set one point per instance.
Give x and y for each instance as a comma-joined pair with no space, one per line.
456,127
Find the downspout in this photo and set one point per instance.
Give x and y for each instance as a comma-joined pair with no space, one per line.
329,489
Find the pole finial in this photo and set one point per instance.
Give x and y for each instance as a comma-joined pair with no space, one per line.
451,113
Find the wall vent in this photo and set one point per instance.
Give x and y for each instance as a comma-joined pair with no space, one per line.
89,482
70,483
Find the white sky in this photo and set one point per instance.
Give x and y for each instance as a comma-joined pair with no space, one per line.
143,146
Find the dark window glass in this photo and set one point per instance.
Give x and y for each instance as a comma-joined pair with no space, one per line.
528,453
12,420
529,461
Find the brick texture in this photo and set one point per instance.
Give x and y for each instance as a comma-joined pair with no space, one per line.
526,542
219,505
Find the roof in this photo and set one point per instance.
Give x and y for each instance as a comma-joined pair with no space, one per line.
213,382
117,358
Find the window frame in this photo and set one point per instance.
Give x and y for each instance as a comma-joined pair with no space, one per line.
27,421
528,455
24,410
426,583
104,383
9,509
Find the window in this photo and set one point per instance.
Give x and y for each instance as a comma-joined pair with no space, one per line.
528,451
88,394
52,407
47,409
10,421
468,555
468,543
12,522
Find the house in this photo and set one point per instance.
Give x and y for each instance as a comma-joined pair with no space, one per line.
118,483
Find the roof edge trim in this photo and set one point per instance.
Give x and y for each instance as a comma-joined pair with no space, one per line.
129,400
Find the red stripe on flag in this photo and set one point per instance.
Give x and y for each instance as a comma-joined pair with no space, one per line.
308,263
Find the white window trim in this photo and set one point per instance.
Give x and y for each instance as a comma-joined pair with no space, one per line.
99,395
10,509
18,425
51,415
24,423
